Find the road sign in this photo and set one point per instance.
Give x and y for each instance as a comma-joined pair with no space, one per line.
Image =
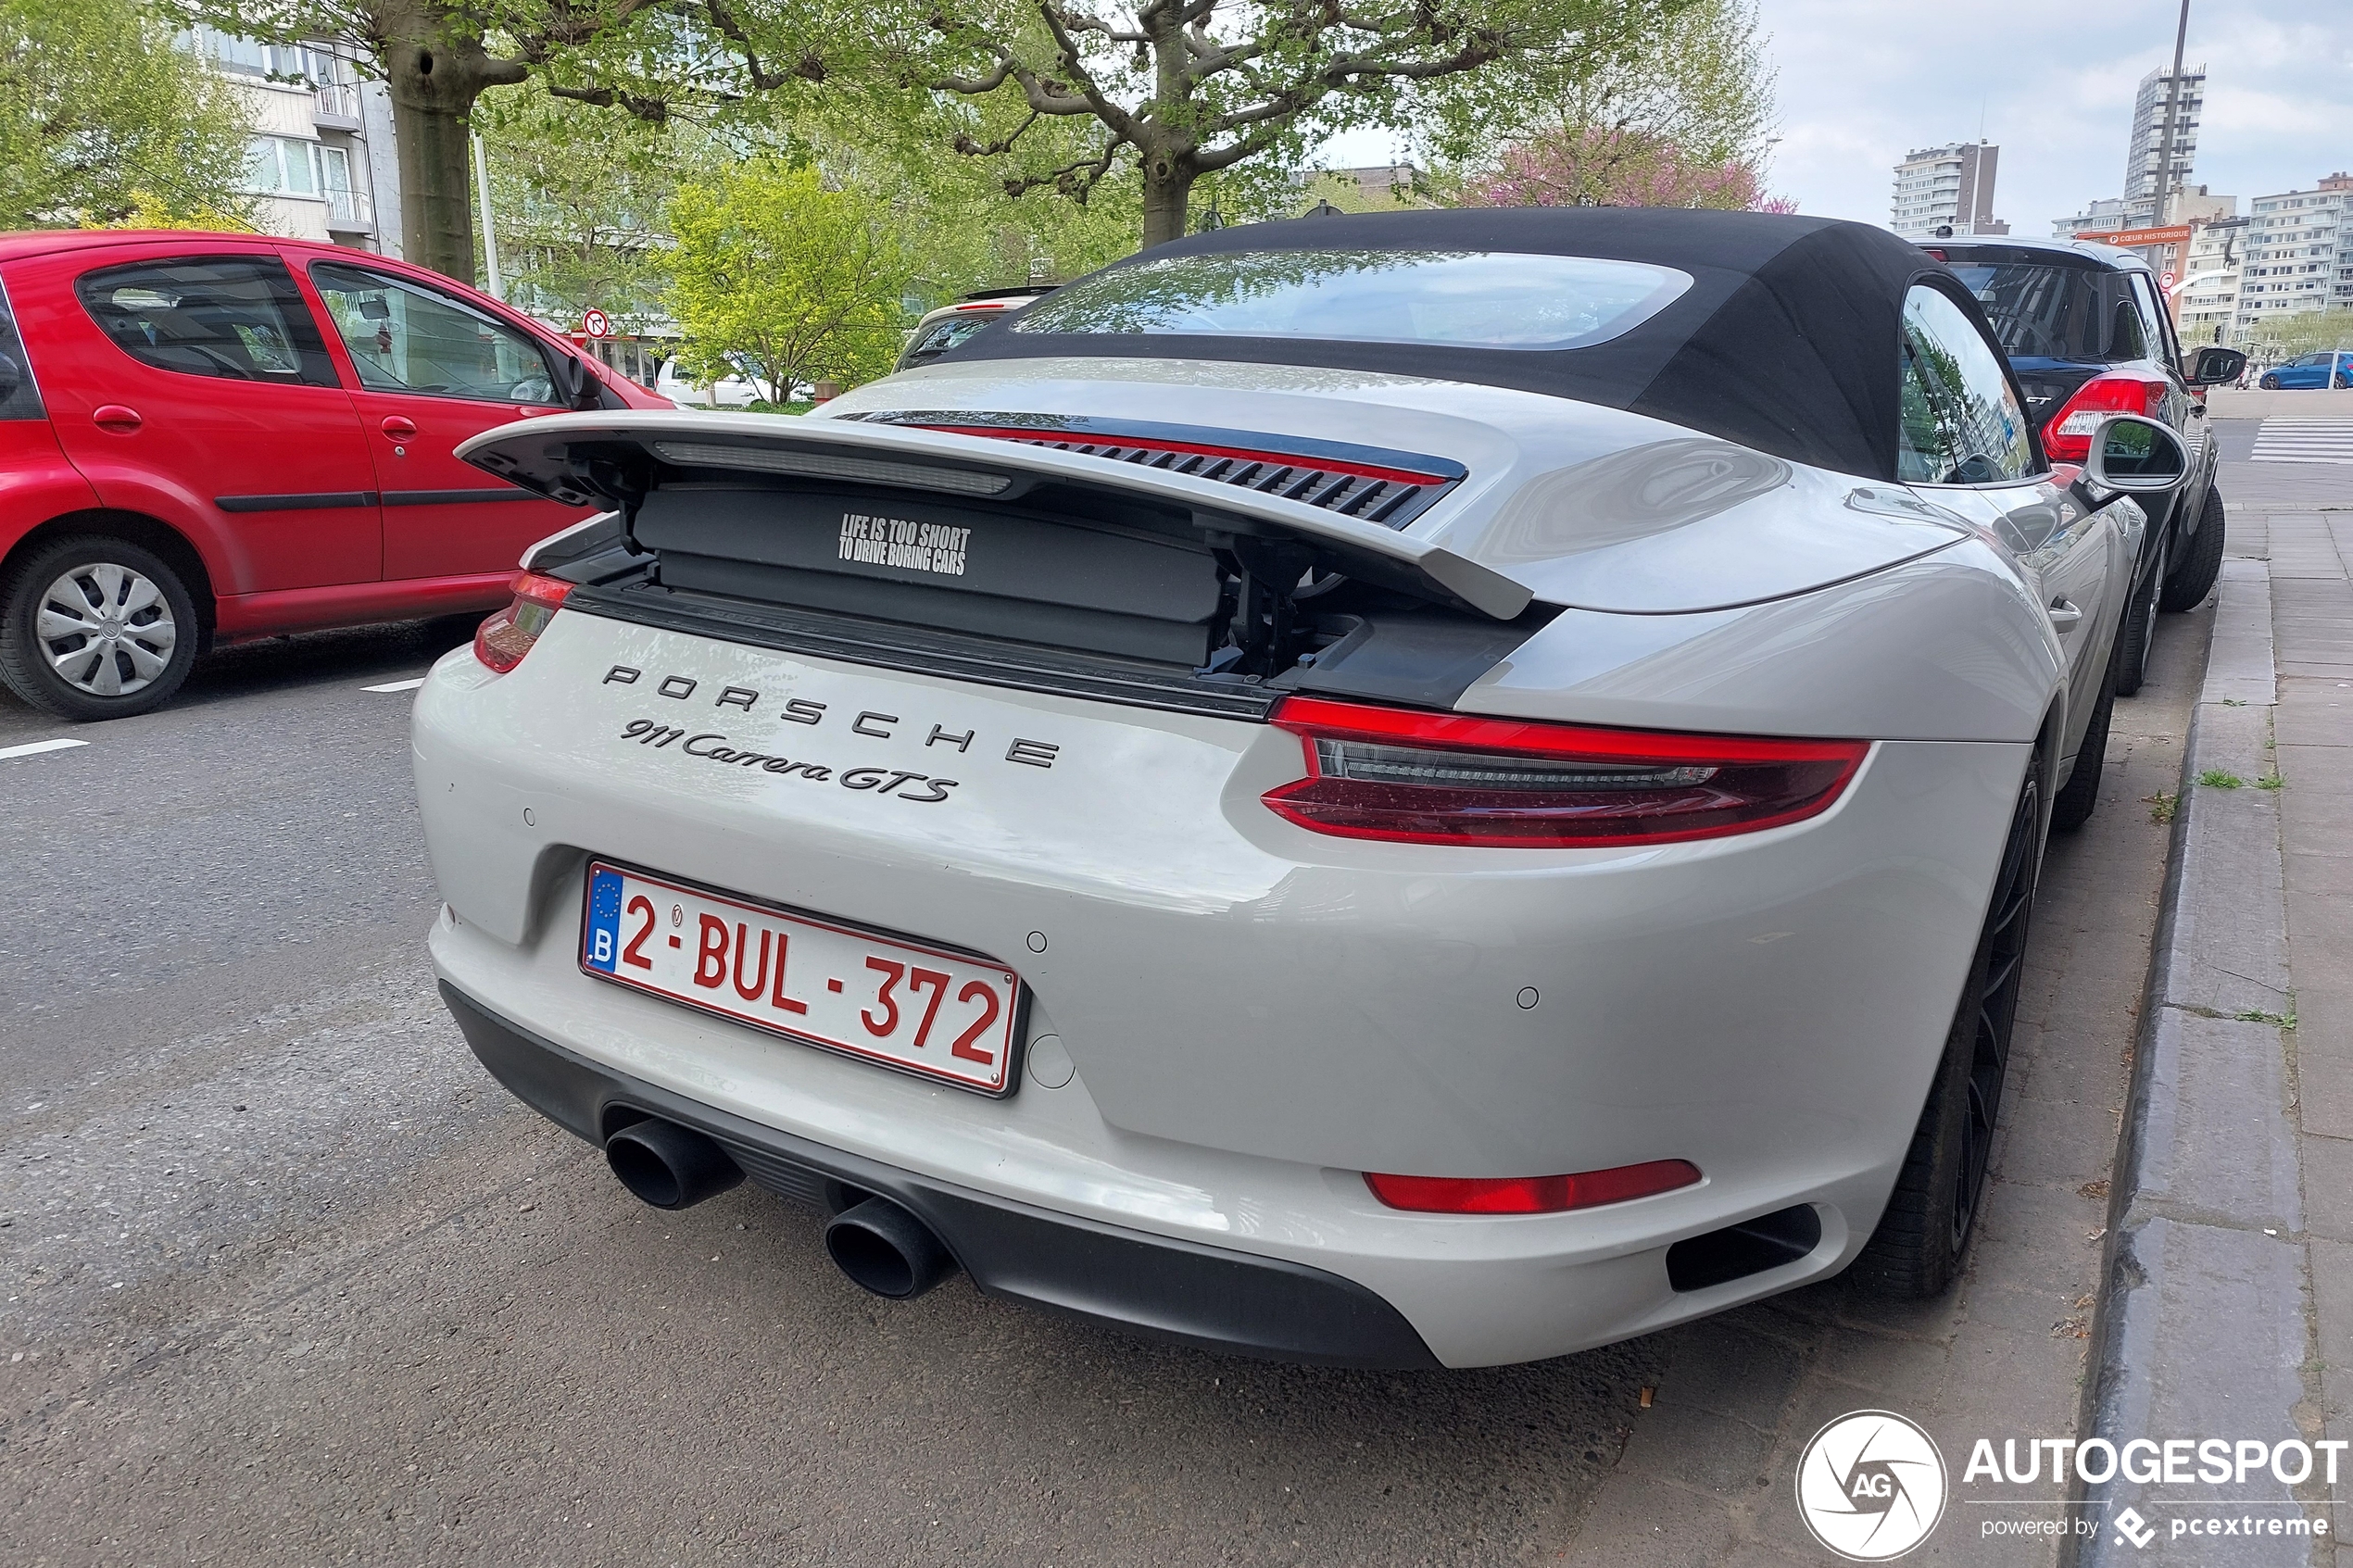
2165,282
2134,239
597,323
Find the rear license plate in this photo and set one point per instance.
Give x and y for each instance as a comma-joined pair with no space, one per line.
914,1009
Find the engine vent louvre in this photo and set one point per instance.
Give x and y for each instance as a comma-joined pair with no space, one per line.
1351,494
1369,483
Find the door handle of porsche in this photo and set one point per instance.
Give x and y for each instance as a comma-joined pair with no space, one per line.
116,420
2065,616
401,427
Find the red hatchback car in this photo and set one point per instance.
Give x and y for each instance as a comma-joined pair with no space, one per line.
206,438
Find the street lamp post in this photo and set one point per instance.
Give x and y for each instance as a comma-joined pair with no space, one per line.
2172,107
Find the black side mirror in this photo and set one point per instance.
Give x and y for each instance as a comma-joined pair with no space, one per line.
575,388
373,308
2216,365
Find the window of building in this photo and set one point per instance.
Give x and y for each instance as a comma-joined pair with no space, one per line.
281,165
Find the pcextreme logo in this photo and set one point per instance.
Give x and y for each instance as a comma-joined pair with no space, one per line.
1871,1486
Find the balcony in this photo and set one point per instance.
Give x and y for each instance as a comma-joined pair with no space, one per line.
349,212
337,107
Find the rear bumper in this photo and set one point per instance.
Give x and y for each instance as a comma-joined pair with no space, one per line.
1156,1286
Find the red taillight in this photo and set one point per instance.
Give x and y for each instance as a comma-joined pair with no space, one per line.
502,640
1411,777
2068,437
1530,1195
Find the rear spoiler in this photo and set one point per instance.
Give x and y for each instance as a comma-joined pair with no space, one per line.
583,459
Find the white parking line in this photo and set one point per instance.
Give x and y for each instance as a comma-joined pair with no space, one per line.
396,686
36,747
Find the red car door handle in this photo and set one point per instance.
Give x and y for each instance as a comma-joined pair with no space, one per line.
401,427
115,419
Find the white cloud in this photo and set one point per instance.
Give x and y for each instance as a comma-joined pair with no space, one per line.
1863,81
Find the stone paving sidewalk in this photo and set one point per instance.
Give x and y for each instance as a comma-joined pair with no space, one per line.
2230,1307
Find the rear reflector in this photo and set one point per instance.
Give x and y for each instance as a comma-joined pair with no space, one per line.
501,641
1410,777
1530,1195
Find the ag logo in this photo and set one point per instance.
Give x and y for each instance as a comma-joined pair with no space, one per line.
1871,1486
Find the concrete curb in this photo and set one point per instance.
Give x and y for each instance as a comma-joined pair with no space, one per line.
2201,1327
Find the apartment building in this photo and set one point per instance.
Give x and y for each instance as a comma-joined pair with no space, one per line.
321,165
1946,188
2293,257
2143,179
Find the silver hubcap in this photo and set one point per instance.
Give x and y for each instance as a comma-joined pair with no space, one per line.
105,629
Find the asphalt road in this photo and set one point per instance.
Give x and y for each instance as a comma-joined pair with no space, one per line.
290,1280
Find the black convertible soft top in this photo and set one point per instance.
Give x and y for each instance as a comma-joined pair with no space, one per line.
1787,341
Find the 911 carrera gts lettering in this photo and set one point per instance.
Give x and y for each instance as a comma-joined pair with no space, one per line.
711,746
804,710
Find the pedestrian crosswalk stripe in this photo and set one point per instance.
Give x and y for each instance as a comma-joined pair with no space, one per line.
2307,439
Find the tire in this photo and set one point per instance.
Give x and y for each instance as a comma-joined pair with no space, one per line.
2189,580
2269,384
1924,1232
2138,635
141,632
2073,806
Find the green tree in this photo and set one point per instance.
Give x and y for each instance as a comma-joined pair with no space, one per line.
778,275
2285,336
97,106
437,59
1174,90
581,197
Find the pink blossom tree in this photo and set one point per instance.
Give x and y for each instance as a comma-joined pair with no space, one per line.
1618,165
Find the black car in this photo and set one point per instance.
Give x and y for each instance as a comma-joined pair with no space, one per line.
2088,334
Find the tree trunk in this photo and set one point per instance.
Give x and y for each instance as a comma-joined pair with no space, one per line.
1168,188
433,78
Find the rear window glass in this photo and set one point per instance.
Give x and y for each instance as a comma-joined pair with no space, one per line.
233,317
2057,312
1466,299
19,399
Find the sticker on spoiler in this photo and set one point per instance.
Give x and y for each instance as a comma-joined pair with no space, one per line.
936,547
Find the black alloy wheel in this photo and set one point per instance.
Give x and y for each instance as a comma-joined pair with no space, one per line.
1917,1249
2269,384
2138,635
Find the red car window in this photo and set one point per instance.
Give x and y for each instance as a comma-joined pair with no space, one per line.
403,338
237,318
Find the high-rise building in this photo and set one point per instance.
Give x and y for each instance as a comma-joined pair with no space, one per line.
2295,255
1951,187
2147,145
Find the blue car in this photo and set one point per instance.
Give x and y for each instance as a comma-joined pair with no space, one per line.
2329,367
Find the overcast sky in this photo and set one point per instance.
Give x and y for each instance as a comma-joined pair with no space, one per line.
2051,81
1863,81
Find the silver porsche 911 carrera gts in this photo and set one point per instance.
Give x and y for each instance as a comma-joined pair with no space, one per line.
1433,788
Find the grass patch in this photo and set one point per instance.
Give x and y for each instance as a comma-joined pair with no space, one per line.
2276,1020
2234,702
2214,778
2270,781
2162,805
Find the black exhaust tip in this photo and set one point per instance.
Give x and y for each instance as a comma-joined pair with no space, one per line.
884,1249
668,1165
